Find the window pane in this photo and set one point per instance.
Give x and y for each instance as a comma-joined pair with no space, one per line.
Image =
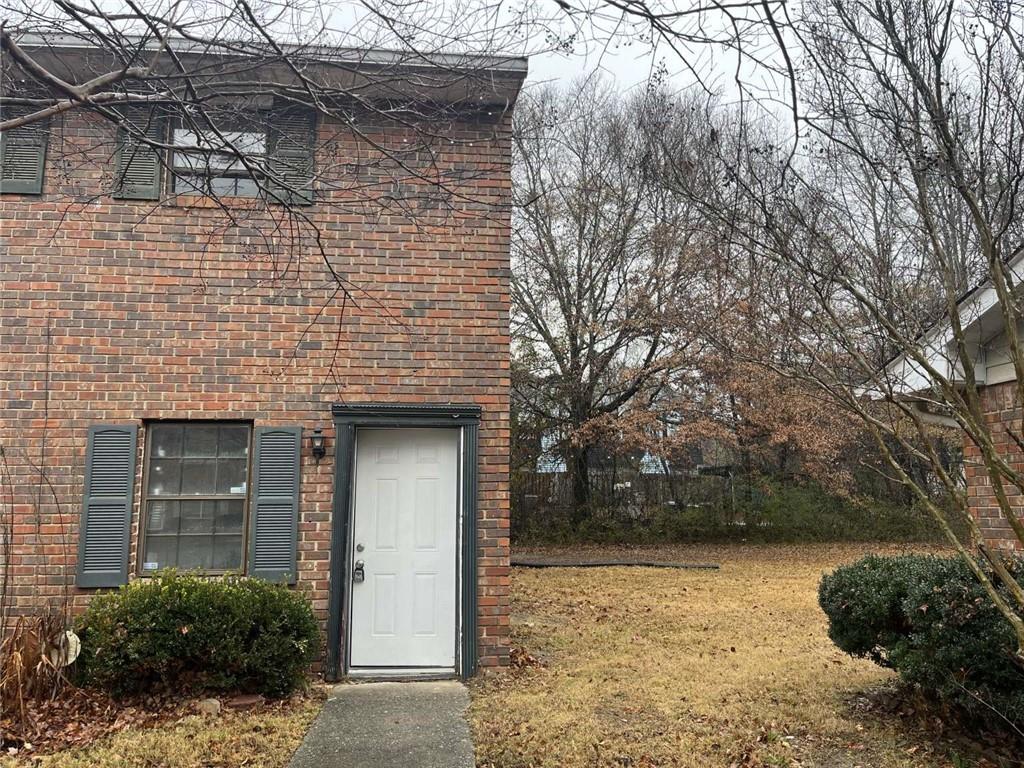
231,476
248,142
161,552
246,187
234,441
198,477
201,440
229,516
162,516
165,440
227,553
197,516
226,161
195,552
190,184
183,137
188,161
164,477
223,185
218,153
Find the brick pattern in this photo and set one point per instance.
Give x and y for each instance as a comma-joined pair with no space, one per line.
1003,411
120,311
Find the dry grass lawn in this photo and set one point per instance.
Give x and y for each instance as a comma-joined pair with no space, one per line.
650,667
264,738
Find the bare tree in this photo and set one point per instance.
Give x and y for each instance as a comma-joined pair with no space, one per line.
608,269
894,216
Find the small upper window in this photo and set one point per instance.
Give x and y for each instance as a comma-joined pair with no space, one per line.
195,496
208,162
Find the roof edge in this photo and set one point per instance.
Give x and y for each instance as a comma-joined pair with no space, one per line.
325,54
972,308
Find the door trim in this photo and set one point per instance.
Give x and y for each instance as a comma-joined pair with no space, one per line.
347,419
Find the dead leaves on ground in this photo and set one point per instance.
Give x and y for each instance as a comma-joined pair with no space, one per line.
728,669
78,717
520,658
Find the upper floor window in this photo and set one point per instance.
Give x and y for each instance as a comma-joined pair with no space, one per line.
248,155
222,153
265,153
222,162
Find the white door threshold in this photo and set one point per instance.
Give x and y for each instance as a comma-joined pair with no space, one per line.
402,673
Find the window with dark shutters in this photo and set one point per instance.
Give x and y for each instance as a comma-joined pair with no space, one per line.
107,507
277,145
139,167
291,144
23,157
275,504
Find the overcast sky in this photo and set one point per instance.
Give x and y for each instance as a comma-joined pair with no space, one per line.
628,67
629,61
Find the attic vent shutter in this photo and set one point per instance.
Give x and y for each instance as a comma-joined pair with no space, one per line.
291,140
103,537
23,156
138,169
275,507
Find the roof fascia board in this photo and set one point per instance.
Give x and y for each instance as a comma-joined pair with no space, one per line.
980,318
346,56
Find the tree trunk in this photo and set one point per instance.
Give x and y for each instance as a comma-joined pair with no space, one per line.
579,468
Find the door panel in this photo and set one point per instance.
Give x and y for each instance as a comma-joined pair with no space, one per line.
405,519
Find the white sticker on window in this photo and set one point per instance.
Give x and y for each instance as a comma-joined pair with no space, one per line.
238,488
150,566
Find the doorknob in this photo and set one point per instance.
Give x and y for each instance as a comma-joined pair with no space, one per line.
357,572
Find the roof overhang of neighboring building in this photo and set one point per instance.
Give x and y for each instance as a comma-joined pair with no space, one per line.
456,79
981,320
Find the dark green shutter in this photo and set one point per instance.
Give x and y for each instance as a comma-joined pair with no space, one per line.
23,157
290,148
139,170
105,531
274,517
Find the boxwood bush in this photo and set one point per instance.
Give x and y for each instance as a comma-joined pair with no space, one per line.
930,620
190,633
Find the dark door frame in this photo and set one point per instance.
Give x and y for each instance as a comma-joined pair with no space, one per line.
349,418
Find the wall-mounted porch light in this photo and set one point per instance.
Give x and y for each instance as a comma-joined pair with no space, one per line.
318,444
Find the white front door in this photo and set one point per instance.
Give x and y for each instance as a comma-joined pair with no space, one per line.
405,537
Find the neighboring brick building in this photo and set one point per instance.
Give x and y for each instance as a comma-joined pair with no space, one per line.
999,392
165,370
1002,407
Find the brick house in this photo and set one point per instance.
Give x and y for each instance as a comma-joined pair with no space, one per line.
999,395
183,389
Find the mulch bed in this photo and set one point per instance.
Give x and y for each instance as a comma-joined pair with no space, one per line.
79,716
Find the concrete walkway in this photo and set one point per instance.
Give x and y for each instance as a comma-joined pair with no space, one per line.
390,725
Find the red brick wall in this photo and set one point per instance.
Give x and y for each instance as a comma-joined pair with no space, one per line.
1002,410
165,310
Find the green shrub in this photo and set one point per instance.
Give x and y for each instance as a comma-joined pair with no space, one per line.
187,632
929,619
